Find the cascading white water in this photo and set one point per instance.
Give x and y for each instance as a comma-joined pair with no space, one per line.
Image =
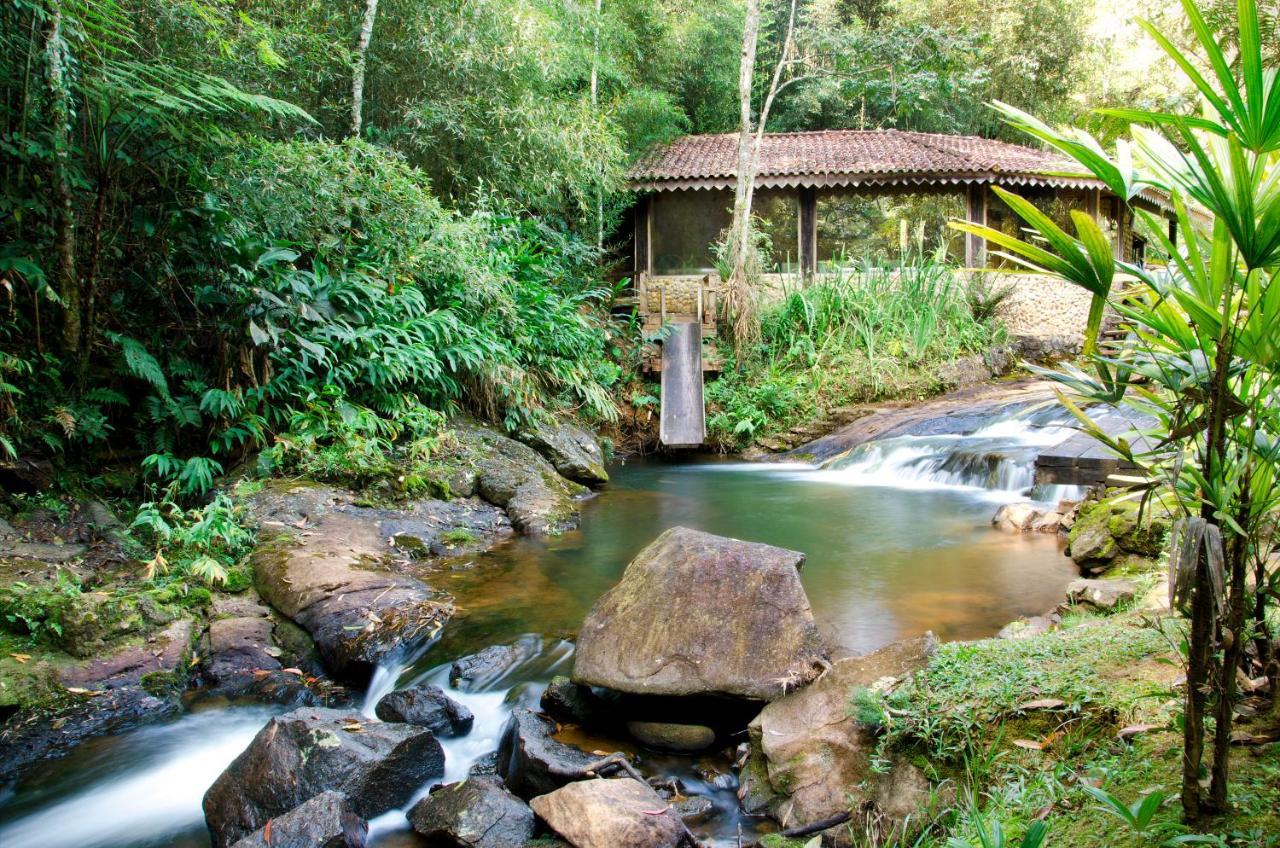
491,707
155,796
997,458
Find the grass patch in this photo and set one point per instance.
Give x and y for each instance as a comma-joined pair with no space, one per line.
857,336
972,717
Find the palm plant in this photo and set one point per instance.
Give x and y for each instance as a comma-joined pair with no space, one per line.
1201,358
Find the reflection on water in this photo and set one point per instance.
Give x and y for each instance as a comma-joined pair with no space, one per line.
883,563
898,541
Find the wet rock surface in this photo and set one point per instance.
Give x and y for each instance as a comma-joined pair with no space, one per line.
242,659
426,706
602,813
965,410
320,565
136,684
476,813
325,821
531,762
698,614
312,750
513,475
809,755
485,669
571,450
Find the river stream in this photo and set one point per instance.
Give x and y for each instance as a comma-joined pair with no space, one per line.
898,539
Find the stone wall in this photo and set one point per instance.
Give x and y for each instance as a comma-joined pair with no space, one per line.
1044,317
682,295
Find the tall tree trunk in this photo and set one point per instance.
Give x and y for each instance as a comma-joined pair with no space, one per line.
595,102
64,213
740,229
357,72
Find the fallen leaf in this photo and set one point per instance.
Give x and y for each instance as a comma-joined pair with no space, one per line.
1043,704
296,671
21,657
654,812
1028,744
273,651
266,831
260,672
76,690
353,727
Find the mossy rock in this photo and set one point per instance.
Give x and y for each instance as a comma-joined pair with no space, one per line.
1089,541
1136,531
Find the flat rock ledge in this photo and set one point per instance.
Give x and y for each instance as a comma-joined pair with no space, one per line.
696,614
322,564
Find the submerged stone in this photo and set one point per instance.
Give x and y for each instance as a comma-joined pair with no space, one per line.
698,614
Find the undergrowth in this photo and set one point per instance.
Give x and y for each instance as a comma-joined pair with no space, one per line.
861,334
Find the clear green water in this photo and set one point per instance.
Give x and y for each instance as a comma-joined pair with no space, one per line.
884,563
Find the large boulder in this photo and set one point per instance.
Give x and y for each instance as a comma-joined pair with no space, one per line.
531,761
810,754
604,813
311,750
514,476
573,451
426,706
698,614
475,813
326,821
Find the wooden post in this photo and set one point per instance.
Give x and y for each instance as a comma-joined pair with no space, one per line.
975,249
642,214
808,232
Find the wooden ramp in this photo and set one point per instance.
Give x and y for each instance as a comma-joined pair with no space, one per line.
683,415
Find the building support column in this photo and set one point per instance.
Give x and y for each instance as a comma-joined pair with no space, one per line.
975,247
808,232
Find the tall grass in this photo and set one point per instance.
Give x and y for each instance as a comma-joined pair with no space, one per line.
860,333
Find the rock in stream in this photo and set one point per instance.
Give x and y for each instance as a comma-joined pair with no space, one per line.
698,614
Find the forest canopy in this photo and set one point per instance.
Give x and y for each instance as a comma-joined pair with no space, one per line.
224,222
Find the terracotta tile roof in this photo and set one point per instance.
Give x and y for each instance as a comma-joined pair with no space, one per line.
842,156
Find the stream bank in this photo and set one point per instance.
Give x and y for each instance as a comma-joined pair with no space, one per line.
886,561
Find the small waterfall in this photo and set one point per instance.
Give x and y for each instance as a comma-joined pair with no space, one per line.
996,458
517,685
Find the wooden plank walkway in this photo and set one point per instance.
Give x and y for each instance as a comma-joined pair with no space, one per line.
683,422
1081,460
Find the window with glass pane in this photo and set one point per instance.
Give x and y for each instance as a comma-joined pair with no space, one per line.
887,228
777,215
685,226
